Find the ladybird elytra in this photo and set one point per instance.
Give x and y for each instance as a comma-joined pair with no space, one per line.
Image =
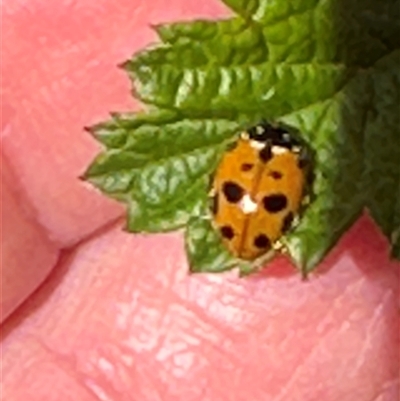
258,189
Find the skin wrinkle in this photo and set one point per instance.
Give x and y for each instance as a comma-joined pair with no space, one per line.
147,372
292,380
70,366
204,316
357,285
157,387
383,390
65,364
220,333
241,291
104,384
160,310
112,372
206,289
326,318
367,339
122,367
170,343
165,320
211,345
146,338
98,392
217,392
349,289
22,235
392,383
297,371
165,375
320,340
97,232
72,369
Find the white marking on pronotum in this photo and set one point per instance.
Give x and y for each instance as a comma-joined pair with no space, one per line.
247,204
395,235
245,135
279,150
257,145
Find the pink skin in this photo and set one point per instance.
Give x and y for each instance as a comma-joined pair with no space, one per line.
116,316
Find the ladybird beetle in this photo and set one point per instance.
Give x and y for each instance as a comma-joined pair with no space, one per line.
258,189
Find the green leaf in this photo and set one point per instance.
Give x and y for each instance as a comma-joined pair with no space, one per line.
335,130
330,69
201,43
204,248
382,146
207,253
161,168
240,91
357,32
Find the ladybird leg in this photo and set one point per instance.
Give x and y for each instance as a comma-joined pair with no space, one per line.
260,262
306,200
304,158
280,246
296,221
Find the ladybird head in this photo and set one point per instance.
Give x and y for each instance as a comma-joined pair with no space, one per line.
275,135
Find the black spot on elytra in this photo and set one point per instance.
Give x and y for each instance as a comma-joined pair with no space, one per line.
276,175
262,241
214,205
275,203
287,222
246,166
227,232
232,191
265,154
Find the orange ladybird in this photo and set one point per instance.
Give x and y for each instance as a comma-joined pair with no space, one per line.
258,189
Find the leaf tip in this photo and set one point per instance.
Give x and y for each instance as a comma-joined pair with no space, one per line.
85,176
155,27
114,115
192,270
90,129
244,273
125,65
304,274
